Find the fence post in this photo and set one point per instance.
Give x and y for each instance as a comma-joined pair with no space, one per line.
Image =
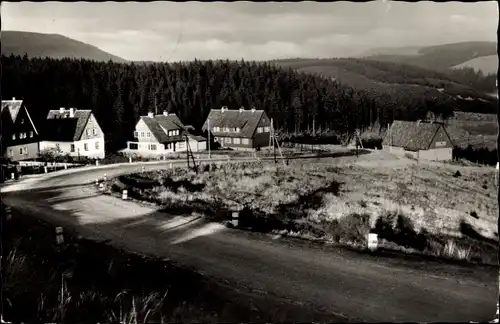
125,195
65,166
130,159
97,162
12,176
45,169
101,187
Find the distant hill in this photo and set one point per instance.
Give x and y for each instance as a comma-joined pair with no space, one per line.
487,64
51,45
436,57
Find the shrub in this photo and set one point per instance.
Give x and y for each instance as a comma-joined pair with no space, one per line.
352,228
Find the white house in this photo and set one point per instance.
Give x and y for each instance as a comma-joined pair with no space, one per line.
163,134
74,132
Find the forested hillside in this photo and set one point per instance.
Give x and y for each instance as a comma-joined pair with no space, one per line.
119,93
372,74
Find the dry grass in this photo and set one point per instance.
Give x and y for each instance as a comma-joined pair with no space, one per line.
300,200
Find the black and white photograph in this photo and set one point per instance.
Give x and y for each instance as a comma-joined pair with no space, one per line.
249,162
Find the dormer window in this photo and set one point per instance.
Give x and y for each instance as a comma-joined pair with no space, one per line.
226,129
238,129
22,120
13,137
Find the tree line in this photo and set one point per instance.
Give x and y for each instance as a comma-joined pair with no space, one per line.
119,93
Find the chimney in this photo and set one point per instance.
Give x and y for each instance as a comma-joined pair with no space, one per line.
253,109
151,114
165,113
224,108
242,108
72,112
62,110
13,98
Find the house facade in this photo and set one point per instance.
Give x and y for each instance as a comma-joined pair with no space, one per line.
421,139
74,132
239,129
163,134
19,135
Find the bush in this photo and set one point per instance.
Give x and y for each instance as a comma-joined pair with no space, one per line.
352,228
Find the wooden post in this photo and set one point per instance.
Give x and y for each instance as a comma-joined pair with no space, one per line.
208,121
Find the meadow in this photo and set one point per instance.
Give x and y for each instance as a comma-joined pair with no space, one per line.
429,209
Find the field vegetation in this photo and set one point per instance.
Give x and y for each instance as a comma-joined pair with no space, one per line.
424,209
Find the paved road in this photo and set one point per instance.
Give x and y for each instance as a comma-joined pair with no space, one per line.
350,285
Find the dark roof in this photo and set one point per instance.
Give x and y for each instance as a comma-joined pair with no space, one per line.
60,127
160,124
412,136
197,138
13,106
246,120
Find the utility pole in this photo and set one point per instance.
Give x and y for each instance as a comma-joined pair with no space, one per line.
156,107
208,121
274,146
314,134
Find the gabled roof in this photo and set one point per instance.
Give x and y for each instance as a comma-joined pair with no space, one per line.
161,124
246,120
412,136
14,107
61,127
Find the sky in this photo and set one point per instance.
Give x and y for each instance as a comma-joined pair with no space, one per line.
175,31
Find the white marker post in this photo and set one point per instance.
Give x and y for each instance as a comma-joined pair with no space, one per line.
372,241
45,169
12,175
65,166
59,235
97,162
235,218
96,182
170,165
125,195
130,159
101,187
143,169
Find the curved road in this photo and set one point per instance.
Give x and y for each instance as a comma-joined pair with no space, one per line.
349,285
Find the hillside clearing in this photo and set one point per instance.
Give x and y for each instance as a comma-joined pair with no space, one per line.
340,201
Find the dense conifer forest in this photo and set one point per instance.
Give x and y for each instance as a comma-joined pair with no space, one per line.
119,93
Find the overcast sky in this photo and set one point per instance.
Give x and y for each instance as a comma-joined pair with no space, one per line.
170,31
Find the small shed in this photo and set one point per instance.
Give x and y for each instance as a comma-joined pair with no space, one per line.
422,139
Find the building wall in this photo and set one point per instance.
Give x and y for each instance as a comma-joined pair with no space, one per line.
144,147
142,127
441,140
262,139
438,154
222,141
29,151
89,133
79,147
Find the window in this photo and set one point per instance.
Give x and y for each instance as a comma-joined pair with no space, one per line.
440,144
72,147
31,134
244,141
226,129
88,132
142,134
25,150
236,141
133,146
94,131
152,147
180,145
169,146
238,129
228,139
215,139
177,132
216,129
11,153
86,146
136,134
13,137
21,150
97,145
148,134
260,129
267,129
22,135
22,120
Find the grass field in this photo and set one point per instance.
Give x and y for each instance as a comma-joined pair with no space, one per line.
422,208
